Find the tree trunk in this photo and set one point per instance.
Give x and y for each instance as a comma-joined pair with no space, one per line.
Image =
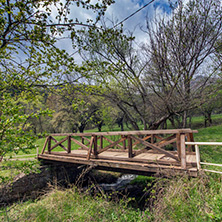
184,119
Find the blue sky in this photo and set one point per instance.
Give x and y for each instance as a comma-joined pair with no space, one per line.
120,10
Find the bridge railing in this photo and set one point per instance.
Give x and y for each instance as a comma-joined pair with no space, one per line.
132,142
197,150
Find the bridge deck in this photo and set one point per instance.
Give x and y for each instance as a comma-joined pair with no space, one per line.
144,163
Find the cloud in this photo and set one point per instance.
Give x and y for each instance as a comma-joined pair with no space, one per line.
116,13
122,9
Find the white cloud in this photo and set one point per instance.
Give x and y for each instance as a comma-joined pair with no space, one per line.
116,13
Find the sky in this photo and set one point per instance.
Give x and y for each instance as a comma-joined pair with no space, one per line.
122,9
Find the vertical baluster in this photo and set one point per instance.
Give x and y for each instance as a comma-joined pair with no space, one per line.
124,143
183,151
178,145
152,138
101,142
69,144
130,147
49,144
82,139
95,147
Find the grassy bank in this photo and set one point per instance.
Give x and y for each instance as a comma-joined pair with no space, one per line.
70,205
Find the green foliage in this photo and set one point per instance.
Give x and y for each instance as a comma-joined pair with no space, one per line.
13,123
30,59
9,170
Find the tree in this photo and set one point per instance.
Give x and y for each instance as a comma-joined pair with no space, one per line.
180,49
161,82
29,58
113,64
75,110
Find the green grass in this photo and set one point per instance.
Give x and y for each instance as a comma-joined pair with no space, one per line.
183,199
70,205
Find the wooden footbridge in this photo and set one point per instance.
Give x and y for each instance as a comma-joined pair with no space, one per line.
140,152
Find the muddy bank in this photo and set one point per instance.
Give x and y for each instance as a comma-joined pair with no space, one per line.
24,187
95,182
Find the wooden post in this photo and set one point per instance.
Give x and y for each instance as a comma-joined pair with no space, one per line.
189,148
191,140
183,151
178,145
101,142
197,156
152,138
95,147
124,143
49,144
130,147
82,140
69,144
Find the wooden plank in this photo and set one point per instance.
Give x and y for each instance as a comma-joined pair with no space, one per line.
144,139
183,151
154,159
112,165
204,143
165,139
168,142
59,143
79,143
158,137
153,146
44,146
90,148
110,141
85,138
139,132
112,145
138,152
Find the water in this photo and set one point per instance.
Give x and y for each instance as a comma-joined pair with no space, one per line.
120,183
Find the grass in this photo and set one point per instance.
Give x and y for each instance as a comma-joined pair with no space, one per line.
70,205
183,199
175,199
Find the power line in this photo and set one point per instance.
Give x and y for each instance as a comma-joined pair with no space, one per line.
133,13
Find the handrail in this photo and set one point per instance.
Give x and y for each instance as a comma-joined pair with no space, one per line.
31,155
204,143
197,144
123,133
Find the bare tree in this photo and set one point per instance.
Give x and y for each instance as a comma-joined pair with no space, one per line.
163,80
181,49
